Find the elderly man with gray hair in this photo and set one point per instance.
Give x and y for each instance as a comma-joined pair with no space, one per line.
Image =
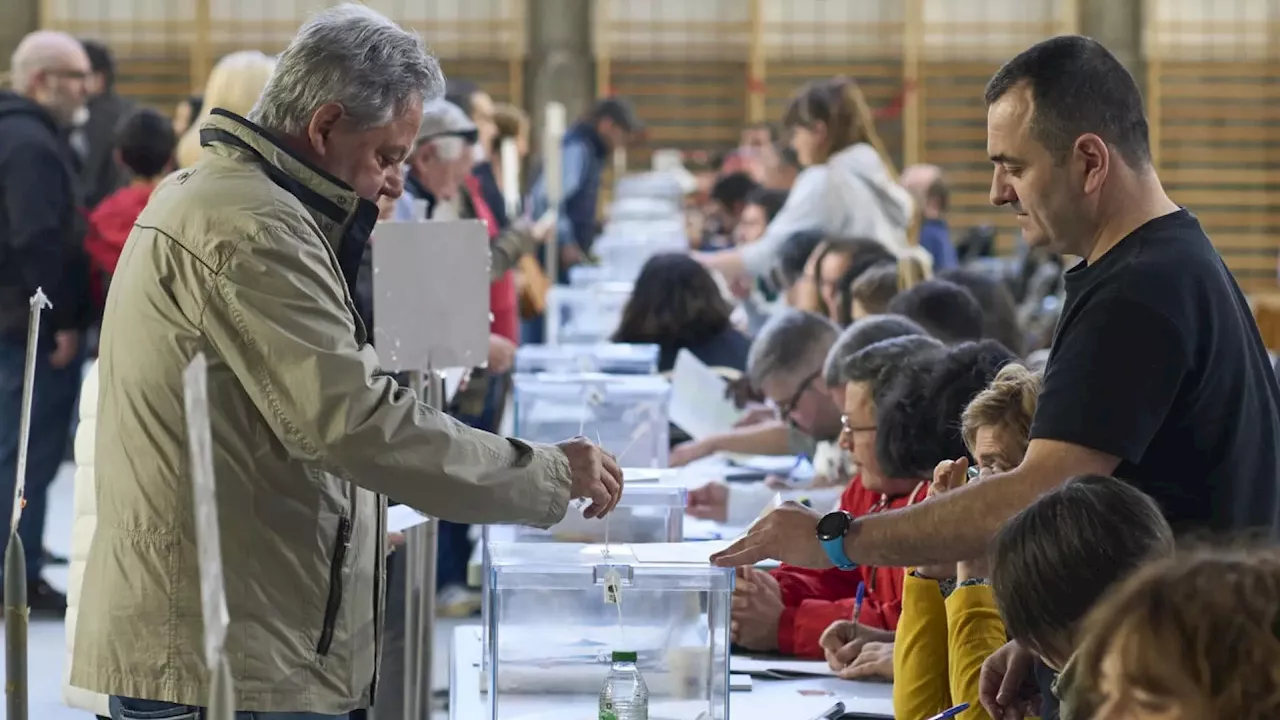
249,257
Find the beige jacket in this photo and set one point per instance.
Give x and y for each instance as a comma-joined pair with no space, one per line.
249,257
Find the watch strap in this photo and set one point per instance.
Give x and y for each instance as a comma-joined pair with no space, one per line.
835,552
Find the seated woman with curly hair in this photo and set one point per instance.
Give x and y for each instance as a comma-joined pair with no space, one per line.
899,431
676,304
949,622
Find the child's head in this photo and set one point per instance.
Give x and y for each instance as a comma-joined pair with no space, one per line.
1053,561
1196,635
145,144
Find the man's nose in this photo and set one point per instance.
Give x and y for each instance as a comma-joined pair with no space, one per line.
393,186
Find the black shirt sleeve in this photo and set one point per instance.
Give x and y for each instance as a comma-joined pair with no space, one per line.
39,202
1114,373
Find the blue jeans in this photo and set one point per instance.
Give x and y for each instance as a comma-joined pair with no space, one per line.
130,709
53,403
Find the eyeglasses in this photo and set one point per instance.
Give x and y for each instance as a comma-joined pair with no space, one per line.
846,427
785,409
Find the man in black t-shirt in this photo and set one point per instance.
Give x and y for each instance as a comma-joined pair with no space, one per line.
1157,373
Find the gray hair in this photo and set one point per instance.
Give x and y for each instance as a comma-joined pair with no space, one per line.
448,147
352,56
867,331
792,341
882,362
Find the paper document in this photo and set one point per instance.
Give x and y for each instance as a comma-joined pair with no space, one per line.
698,404
771,464
779,668
403,517
685,553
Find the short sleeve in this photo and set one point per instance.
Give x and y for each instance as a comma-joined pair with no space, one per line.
1113,376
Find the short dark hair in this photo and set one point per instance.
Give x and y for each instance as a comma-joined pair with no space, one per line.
1053,561
675,303
875,288
620,111
460,92
918,421
788,156
146,142
794,255
770,200
1078,87
880,363
732,190
938,192
101,61
999,315
948,311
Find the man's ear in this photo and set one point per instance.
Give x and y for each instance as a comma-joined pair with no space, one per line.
322,123
1094,157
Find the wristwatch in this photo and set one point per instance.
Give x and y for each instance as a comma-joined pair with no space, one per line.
831,531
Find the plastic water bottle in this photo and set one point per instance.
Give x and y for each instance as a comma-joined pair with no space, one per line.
624,696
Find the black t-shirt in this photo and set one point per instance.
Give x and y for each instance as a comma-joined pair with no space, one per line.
1157,360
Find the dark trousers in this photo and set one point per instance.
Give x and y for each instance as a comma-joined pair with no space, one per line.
53,404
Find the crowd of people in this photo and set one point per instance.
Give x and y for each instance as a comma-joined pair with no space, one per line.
1017,510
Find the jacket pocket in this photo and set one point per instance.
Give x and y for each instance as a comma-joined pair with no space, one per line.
342,544
131,709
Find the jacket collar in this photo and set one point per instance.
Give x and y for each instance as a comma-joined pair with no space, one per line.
319,191
592,136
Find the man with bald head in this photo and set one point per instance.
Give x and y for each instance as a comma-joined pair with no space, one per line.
40,248
926,185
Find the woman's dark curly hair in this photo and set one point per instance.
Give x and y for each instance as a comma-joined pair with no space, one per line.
676,303
919,421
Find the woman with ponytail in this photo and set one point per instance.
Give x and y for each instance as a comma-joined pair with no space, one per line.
847,188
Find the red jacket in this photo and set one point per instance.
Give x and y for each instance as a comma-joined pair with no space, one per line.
109,226
814,599
503,305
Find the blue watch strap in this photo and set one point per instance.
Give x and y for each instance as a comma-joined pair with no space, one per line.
835,552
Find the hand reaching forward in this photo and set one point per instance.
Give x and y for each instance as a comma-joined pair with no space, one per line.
594,474
788,533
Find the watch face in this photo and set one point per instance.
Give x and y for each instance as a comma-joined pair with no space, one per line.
833,525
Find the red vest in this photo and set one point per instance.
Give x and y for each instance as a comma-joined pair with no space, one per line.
503,305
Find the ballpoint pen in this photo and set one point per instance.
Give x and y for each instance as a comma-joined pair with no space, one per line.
832,712
857,603
951,712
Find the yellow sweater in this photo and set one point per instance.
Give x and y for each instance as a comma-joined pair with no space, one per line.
939,648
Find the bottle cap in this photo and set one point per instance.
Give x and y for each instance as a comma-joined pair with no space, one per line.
621,656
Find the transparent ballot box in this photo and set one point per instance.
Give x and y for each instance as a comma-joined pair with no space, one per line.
612,358
559,611
645,514
626,414
584,314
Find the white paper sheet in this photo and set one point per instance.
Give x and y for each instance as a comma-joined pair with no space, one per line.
698,404
403,517
685,553
799,668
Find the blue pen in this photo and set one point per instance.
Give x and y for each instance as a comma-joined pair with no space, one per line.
951,712
857,601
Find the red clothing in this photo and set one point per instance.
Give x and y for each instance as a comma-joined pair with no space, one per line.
816,598
109,226
503,305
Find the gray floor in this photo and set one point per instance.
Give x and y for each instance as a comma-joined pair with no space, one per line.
46,659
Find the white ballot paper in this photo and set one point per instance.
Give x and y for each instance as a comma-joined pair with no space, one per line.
431,294
403,517
698,404
213,599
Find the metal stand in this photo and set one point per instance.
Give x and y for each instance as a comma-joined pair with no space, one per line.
420,583
15,629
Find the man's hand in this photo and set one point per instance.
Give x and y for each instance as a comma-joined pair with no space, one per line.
709,502
947,475
502,354
66,344
1006,686
757,609
688,451
741,287
788,533
394,540
594,474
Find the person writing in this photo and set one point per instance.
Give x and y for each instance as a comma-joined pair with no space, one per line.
249,257
1157,376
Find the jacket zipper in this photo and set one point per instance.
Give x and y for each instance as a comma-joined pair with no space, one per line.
334,602
379,576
